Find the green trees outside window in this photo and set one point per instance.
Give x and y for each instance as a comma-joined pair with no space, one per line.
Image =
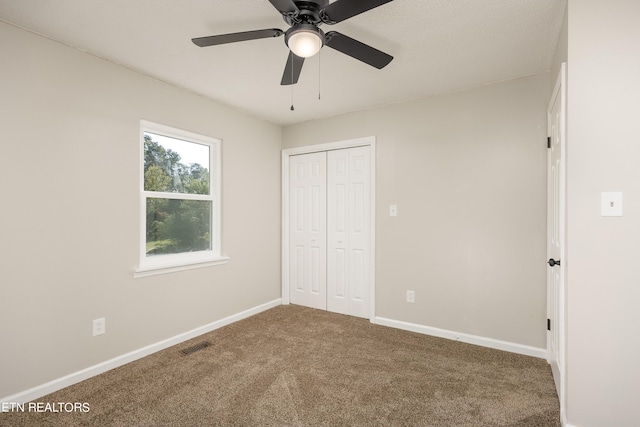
176,221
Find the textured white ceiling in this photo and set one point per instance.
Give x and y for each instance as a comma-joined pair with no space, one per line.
438,46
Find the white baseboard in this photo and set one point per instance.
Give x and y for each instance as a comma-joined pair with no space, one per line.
466,338
76,377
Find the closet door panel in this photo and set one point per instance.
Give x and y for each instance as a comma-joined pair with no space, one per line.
337,231
348,235
359,235
308,235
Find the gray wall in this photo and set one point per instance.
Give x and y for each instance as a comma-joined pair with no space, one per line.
468,173
602,253
69,222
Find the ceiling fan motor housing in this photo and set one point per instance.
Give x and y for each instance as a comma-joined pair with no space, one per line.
308,12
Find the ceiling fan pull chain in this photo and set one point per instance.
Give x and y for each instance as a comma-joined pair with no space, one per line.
292,85
319,68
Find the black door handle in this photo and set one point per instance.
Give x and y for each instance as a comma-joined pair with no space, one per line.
552,262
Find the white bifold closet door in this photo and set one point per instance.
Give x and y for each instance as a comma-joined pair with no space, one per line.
308,230
330,223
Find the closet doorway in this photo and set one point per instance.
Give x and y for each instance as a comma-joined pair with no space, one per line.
328,227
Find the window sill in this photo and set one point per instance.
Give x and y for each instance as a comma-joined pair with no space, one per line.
154,271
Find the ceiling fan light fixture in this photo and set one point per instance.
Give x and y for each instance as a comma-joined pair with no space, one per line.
304,40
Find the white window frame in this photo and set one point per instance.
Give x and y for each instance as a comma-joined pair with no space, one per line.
168,263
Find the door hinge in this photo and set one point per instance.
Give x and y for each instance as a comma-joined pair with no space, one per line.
548,324
548,142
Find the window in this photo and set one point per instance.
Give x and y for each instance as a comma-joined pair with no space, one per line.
180,200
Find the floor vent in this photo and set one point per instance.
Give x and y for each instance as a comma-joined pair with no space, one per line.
190,350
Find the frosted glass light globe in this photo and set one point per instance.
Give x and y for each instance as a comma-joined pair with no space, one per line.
305,43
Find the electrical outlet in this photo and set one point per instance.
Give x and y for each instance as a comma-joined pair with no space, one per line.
99,327
411,296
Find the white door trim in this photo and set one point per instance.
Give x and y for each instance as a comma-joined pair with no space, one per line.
288,152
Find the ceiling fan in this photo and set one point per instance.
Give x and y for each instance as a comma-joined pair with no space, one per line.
304,38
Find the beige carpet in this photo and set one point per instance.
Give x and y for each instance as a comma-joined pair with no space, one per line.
295,366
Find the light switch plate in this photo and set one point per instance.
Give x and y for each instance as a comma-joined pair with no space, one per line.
393,210
611,204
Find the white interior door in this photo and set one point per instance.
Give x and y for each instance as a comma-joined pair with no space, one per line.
348,231
555,234
308,230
